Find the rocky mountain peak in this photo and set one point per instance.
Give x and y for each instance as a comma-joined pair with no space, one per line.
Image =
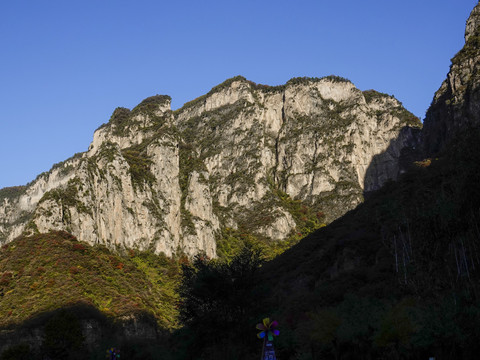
455,106
243,161
473,23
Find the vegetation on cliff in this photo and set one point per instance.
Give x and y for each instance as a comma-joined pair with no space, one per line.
471,49
11,192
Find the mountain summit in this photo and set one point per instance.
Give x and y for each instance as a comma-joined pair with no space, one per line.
243,160
456,105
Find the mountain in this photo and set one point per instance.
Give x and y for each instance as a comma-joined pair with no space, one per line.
456,105
396,276
243,161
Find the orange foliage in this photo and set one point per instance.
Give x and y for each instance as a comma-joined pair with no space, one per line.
78,246
5,279
74,270
424,163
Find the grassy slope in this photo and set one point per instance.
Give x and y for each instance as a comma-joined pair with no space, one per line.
48,271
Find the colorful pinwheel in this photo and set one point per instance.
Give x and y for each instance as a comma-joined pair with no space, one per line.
113,353
268,329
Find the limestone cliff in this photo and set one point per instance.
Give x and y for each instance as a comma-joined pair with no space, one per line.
271,162
456,105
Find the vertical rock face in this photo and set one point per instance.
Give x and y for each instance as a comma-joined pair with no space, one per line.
270,162
455,106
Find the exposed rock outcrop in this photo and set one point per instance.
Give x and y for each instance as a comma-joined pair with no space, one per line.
456,105
241,157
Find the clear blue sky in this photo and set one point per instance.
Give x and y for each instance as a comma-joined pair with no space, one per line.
66,65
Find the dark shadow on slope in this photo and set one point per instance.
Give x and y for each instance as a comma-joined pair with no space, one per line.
81,331
352,242
409,253
395,160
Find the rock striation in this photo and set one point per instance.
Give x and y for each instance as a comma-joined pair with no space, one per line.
249,159
456,105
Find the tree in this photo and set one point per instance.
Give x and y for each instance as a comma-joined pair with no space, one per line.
220,301
63,337
319,332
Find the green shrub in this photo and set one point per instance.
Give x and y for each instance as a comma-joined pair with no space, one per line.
12,192
120,116
139,162
371,95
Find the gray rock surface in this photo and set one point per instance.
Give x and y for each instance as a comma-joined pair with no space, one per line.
172,181
455,106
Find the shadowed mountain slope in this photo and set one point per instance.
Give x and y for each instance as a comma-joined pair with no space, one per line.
399,275
456,105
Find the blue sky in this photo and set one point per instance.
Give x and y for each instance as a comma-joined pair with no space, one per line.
66,65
